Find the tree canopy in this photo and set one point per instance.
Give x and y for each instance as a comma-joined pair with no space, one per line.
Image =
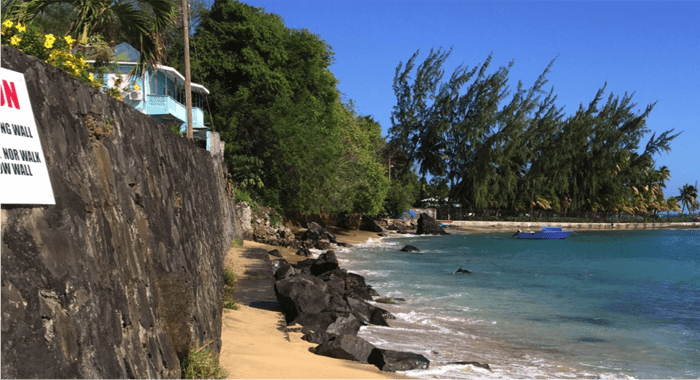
275,103
504,148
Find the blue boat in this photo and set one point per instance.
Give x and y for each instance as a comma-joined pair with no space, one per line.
550,233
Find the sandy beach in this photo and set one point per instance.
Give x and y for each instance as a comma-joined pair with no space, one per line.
255,345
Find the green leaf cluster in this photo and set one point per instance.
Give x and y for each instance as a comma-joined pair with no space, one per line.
500,147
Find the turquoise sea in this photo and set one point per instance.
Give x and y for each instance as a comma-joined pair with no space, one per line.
612,304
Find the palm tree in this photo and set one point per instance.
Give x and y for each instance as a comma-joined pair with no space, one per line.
688,197
138,22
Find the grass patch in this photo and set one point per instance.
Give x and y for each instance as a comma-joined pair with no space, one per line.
237,243
229,277
385,300
229,289
201,363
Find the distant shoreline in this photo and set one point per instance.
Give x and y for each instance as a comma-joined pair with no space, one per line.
486,225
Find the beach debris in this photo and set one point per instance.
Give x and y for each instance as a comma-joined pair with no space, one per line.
392,361
460,270
429,226
385,300
409,248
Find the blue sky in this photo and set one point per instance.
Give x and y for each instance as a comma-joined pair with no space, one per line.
649,48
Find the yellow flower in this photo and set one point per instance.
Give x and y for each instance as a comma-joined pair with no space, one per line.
21,28
69,40
50,39
137,87
14,41
7,24
92,77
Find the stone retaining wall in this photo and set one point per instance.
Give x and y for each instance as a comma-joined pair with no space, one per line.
124,274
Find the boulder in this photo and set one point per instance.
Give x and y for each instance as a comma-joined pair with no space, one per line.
275,252
429,226
355,285
304,263
379,316
263,232
368,224
336,285
301,294
349,325
324,263
368,314
460,270
409,248
317,322
284,270
338,274
317,337
392,361
323,245
315,232
346,347
304,251
276,264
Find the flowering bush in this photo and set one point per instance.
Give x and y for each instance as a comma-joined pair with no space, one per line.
55,51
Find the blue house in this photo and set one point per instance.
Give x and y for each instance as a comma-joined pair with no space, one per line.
160,93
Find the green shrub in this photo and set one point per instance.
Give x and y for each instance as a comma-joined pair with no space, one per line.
229,289
201,363
229,277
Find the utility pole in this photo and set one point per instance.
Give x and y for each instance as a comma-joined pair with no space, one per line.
188,81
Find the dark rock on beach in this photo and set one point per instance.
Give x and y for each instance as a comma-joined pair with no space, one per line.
330,305
318,237
355,286
346,347
392,361
324,263
409,248
304,251
275,252
349,325
368,224
301,294
460,270
429,226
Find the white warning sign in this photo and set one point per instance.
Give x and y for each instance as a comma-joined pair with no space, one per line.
24,178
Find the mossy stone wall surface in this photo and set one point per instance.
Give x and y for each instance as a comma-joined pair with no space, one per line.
125,272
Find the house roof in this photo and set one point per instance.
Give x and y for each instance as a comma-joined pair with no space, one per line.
126,53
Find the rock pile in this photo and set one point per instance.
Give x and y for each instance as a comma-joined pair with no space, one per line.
330,304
